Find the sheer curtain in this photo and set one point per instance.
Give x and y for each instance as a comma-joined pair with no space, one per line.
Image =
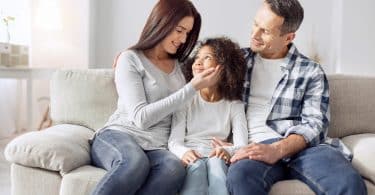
12,116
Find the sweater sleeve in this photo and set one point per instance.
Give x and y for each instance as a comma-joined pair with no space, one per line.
239,127
129,84
177,137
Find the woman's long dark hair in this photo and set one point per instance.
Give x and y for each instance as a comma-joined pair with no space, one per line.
163,19
229,55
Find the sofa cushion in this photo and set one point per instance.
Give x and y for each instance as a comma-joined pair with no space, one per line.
83,97
81,181
58,148
33,181
290,187
352,105
362,146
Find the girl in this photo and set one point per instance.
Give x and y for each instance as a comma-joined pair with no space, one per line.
215,111
150,86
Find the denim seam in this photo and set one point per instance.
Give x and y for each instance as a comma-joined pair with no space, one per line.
264,176
112,168
110,178
308,178
113,148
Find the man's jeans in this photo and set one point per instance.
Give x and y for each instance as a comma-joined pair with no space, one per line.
206,176
132,170
322,168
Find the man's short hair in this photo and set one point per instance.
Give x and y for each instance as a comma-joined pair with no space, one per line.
290,10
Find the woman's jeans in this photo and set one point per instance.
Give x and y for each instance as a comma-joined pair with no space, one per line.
206,176
322,168
132,170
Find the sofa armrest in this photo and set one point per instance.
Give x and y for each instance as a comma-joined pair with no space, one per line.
59,148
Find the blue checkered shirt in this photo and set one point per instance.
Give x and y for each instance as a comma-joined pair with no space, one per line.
300,102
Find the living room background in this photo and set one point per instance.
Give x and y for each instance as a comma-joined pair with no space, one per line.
89,33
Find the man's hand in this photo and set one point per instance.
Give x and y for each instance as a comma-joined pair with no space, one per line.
216,142
190,157
267,153
220,153
271,153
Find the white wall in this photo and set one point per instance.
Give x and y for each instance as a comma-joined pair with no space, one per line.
332,31
315,37
118,24
358,40
227,18
115,25
60,33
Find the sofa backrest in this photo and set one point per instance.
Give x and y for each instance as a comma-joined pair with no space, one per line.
83,97
89,97
352,102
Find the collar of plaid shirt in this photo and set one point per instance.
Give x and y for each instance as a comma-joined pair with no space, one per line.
289,60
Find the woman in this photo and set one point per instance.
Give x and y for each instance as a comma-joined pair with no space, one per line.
150,86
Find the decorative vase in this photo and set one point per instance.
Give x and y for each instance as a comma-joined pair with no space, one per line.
7,36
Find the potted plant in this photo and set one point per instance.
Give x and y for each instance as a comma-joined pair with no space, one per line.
6,20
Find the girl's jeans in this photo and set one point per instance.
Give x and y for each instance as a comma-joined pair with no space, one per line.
206,176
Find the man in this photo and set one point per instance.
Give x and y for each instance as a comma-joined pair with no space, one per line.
287,102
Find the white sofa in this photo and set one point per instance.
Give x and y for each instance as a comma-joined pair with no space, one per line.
56,160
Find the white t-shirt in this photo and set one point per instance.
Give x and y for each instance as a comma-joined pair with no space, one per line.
194,126
265,76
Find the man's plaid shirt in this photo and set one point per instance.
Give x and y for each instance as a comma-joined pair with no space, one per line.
300,102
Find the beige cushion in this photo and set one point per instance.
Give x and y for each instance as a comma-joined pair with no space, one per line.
81,181
83,97
362,147
352,105
58,148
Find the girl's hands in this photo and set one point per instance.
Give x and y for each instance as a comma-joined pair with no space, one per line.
207,78
190,157
216,142
220,153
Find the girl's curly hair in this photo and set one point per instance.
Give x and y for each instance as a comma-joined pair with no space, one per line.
229,55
